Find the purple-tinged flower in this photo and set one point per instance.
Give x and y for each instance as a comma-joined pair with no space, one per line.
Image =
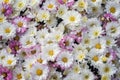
21,23
14,46
69,3
67,43
6,73
6,9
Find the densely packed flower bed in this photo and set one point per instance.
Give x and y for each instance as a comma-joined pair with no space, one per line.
59,39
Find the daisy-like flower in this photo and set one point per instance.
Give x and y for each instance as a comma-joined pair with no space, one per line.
43,15
81,5
113,8
86,75
20,4
10,60
27,41
50,5
41,58
81,55
21,23
54,75
93,22
8,30
94,10
71,18
52,22
29,63
39,72
110,41
18,74
99,45
112,29
51,51
40,35
6,73
95,32
2,19
64,59
75,68
62,9
108,69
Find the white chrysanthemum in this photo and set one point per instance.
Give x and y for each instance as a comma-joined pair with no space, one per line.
2,19
86,41
99,45
10,60
113,8
78,48
95,32
20,4
29,63
51,51
81,5
27,41
3,55
94,10
54,75
43,15
39,72
71,18
110,41
107,68
64,59
41,58
7,30
50,5
113,29
52,22
86,75
62,9
93,22
81,55
75,68
18,74
40,36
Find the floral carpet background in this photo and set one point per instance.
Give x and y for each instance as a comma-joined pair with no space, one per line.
59,39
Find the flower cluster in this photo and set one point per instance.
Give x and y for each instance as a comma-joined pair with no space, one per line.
59,39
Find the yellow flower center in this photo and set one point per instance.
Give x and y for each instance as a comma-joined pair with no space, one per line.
20,4
39,72
64,1
104,59
19,76
112,9
98,46
86,41
104,78
51,52
44,16
39,60
7,30
9,62
28,42
94,9
113,30
50,6
108,42
81,4
20,24
95,58
96,33
6,1
72,18
1,19
86,77
106,69
81,56
76,69
65,59
93,0
61,12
